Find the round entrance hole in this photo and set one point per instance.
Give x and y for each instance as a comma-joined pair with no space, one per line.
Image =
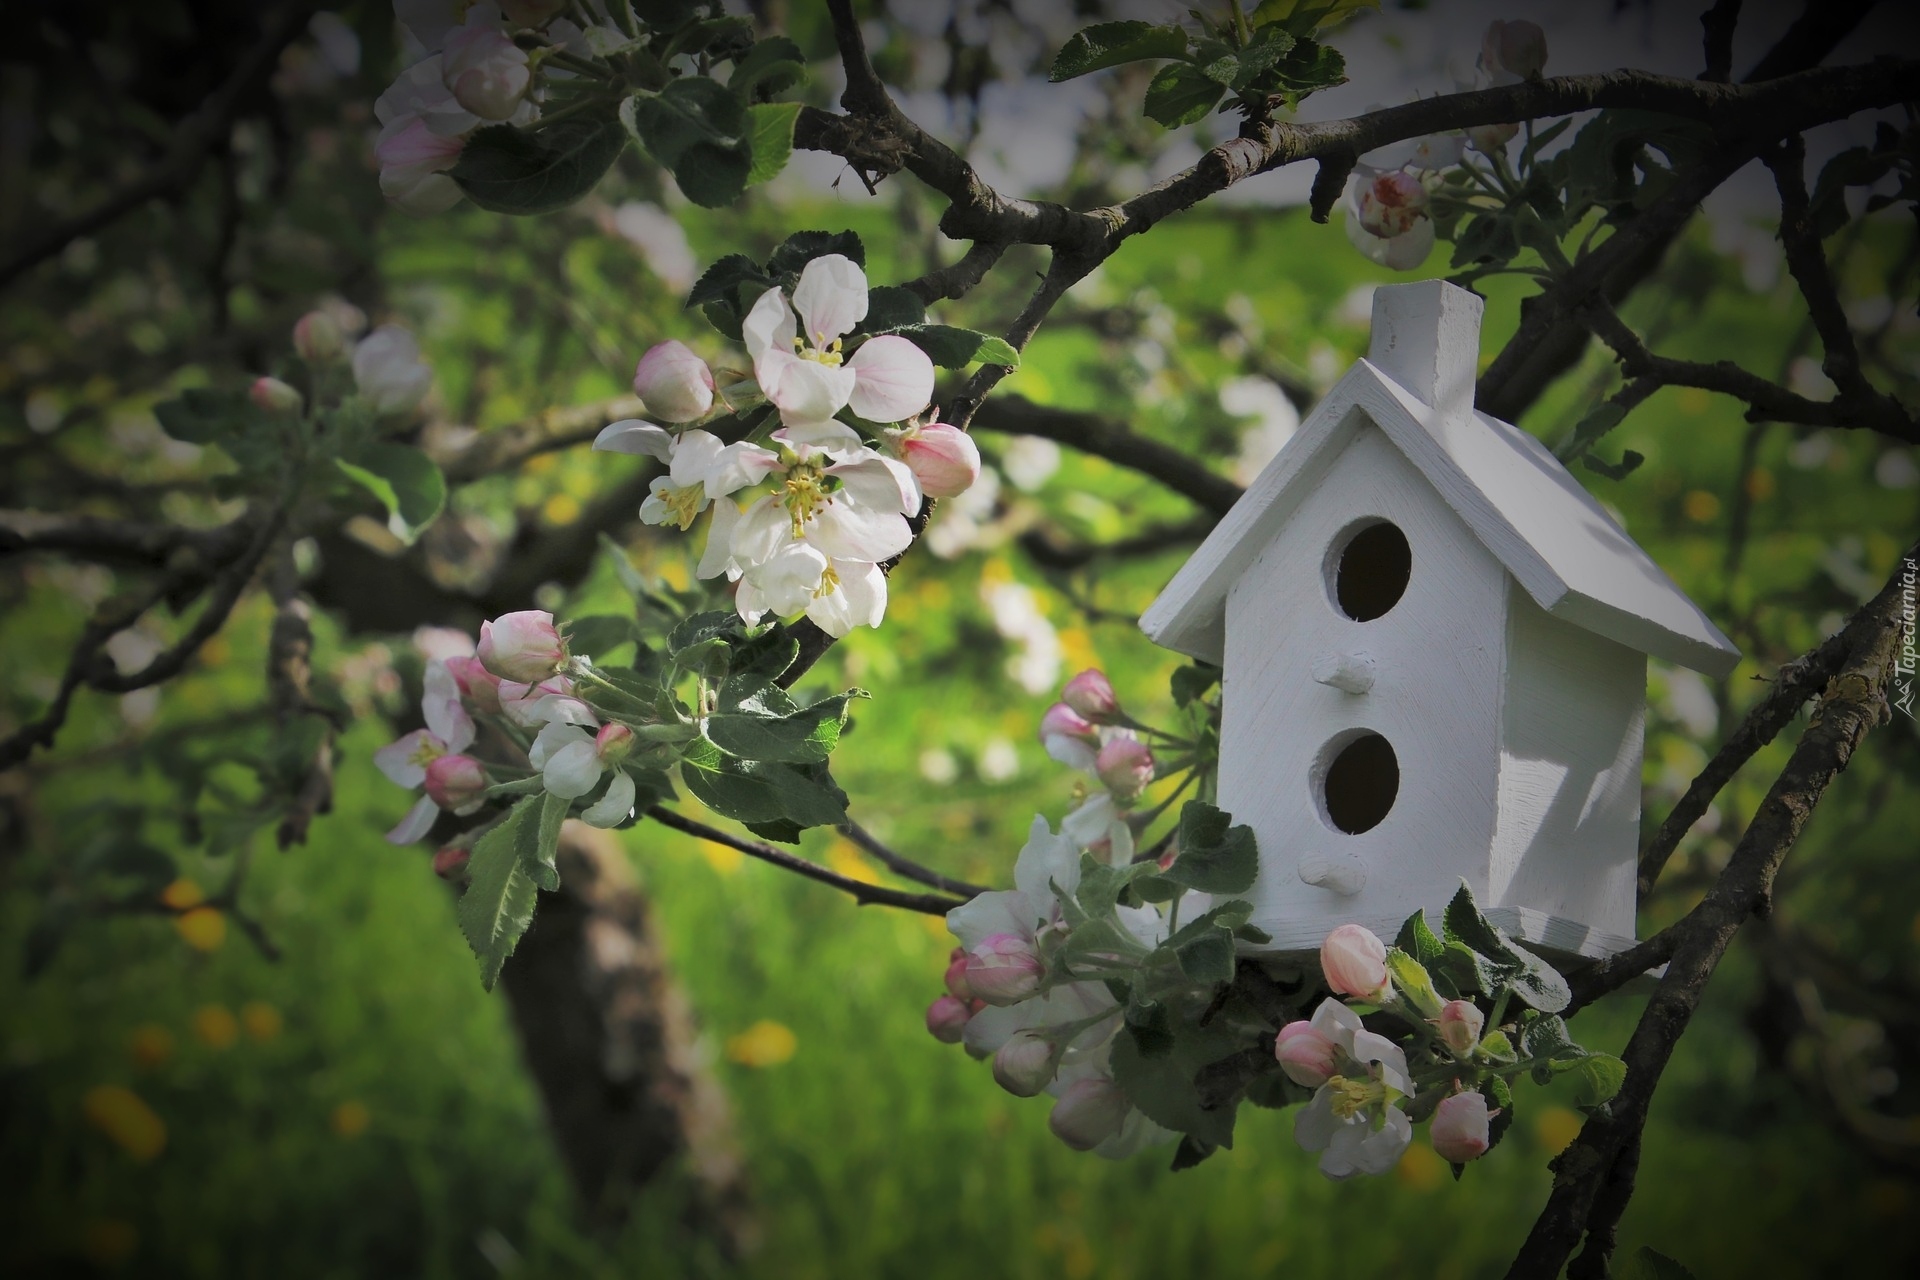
1361,784
1370,574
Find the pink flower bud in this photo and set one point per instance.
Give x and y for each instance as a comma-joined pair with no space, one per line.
486,72
1517,48
943,459
274,396
675,383
1307,1057
1063,721
1090,1111
1460,1024
413,163
1391,203
1492,139
523,647
1125,766
957,977
1025,1064
947,1019
1459,1132
318,338
1004,969
449,863
456,781
1355,962
477,684
613,743
1091,694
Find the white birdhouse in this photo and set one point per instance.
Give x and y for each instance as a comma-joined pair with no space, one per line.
1434,644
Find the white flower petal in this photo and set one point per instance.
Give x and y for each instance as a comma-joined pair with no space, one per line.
894,379
573,770
717,557
987,914
556,734
807,391
879,484
397,759
631,435
1045,860
737,466
1071,752
440,706
768,327
762,530
859,601
416,824
849,532
831,298
613,808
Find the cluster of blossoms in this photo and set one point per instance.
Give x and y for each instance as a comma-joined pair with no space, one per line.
474,73
1087,730
826,505
516,678
1390,196
388,373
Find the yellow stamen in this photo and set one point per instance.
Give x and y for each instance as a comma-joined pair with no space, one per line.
803,493
1350,1097
829,583
822,352
426,753
684,503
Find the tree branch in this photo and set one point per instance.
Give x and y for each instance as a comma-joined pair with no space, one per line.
1089,433
906,867
505,448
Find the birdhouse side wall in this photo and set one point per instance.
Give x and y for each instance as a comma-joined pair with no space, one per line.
1567,835
1436,664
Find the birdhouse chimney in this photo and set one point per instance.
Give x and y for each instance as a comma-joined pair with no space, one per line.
1426,337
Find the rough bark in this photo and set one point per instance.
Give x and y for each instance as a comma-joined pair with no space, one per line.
611,1042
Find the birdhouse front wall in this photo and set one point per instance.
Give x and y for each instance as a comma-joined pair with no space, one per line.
1567,835
1304,681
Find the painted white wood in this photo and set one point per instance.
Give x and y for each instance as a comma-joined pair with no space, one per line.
1426,337
1336,871
1347,672
1566,838
1522,505
1436,697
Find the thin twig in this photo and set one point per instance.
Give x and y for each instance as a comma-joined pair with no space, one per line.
907,867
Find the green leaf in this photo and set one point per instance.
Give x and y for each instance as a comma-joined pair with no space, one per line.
518,787
498,904
1308,67
754,791
1411,978
1546,1040
1499,1095
1190,1152
203,415
1163,1087
600,634
1303,17
1190,683
954,348
543,853
1109,44
1208,958
1181,94
756,729
1469,971
802,247
697,629
770,138
772,65
405,480
697,129
1417,940
512,170
1215,856
891,308
1646,1264
1597,1077
721,282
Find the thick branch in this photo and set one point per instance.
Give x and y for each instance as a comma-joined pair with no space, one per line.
863,893
1854,701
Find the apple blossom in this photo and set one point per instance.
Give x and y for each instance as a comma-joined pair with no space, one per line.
1026,1063
1460,1131
947,1019
1387,219
484,70
1004,969
1069,737
1091,694
571,762
1513,51
533,705
1460,1023
700,467
405,761
1492,139
613,744
478,685
1090,1111
450,862
1353,1119
1098,826
388,370
274,396
800,366
318,337
456,782
523,646
1125,766
956,975
413,166
944,459
1307,1056
1355,962
674,382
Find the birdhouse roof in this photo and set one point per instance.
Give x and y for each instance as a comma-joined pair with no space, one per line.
1515,496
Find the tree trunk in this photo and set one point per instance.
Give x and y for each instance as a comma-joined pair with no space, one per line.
611,1042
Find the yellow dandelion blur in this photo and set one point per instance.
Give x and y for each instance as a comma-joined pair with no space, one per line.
1555,1128
764,1044
203,928
350,1119
261,1020
182,894
215,1026
126,1119
150,1045
1421,1168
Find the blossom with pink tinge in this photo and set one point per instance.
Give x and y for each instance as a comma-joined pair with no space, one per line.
388,371
1460,1128
450,862
486,72
1306,1055
1090,1110
319,338
523,646
944,459
1004,969
274,396
1460,1023
674,382
1355,962
413,163
1026,1063
457,782
1125,767
947,1019
1091,694
956,975
1513,51
1387,219
797,351
478,685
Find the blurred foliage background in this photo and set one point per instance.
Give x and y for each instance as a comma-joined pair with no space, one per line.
306,1079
